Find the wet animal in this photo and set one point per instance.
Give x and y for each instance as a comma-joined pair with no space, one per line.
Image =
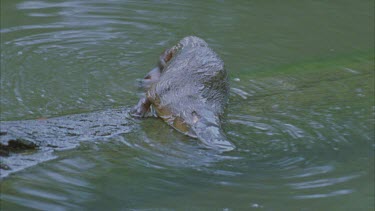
188,89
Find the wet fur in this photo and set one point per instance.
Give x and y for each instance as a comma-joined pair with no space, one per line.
188,89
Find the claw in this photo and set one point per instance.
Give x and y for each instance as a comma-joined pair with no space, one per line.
141,109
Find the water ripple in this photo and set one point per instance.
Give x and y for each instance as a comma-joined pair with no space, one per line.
322,182
324,195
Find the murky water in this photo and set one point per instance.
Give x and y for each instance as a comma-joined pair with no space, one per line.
301,110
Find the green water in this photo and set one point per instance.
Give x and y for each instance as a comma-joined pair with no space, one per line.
301,110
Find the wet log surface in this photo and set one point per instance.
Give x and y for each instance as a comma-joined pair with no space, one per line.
28,142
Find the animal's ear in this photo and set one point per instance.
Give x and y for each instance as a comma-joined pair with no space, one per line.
165,57
168,55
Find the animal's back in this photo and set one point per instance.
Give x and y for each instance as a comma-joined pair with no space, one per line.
192,93
195,79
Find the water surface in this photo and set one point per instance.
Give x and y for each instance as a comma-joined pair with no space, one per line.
301,109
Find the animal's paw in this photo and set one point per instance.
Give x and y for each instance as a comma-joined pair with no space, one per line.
137,112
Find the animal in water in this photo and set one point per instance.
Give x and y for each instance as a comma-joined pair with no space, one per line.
189,90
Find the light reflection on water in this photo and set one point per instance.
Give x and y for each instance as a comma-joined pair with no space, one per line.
303,133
